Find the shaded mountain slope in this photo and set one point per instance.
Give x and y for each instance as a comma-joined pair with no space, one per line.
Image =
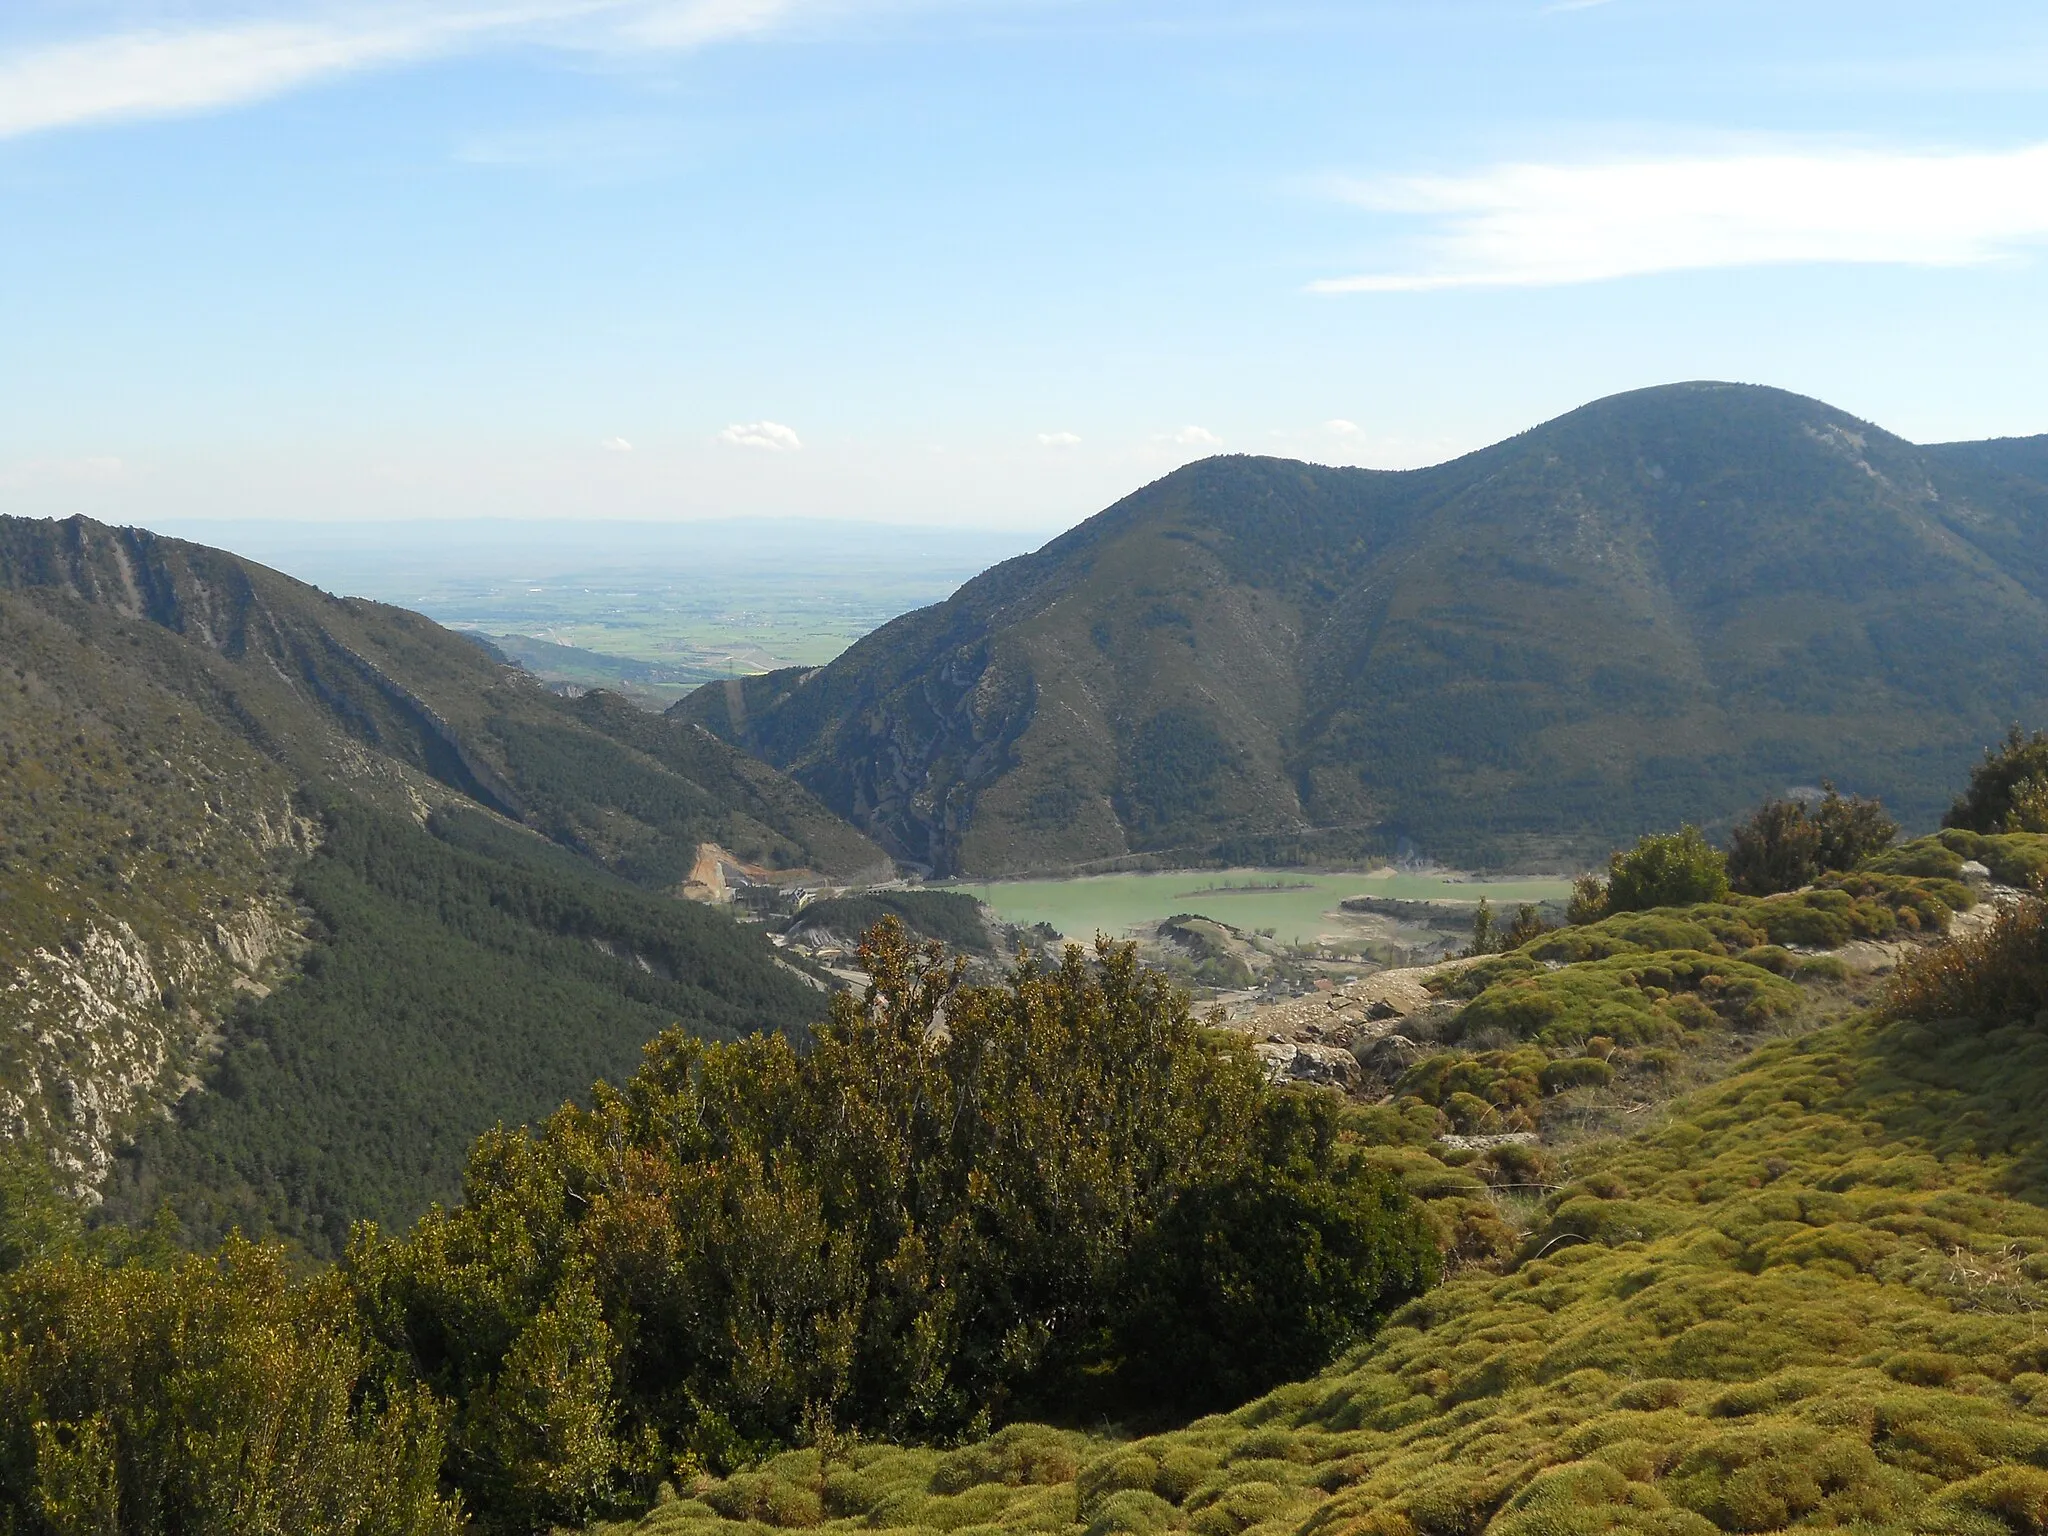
185,732
1660,606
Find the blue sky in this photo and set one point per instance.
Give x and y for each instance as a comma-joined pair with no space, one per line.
990,263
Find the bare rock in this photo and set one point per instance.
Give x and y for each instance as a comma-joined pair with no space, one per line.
1486,1143
1871,957
1301,1062
1385,1057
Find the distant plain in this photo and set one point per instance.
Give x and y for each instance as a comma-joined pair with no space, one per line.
650,610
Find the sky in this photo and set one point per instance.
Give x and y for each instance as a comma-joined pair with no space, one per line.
988,264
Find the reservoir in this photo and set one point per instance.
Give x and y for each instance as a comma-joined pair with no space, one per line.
1297,905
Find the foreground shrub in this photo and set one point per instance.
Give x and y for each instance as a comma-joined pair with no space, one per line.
1785,844
2008,791
1833,910
212,1395
1997,976
924,1225
1265,1275
1669,869
1630,999
2014,858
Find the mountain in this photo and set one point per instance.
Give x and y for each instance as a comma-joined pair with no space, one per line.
368,887
1659,607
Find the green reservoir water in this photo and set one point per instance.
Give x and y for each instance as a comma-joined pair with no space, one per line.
1296,905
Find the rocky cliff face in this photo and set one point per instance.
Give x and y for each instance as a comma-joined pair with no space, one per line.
106,1028
145,856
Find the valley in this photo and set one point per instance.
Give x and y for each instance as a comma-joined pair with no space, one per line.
1160,768
512,1107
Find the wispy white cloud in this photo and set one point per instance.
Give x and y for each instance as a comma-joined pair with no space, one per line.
770,435
616,445
1059,440
1196,437
1532,224
164,71
694,23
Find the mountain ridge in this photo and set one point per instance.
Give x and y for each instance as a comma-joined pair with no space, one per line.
1257,660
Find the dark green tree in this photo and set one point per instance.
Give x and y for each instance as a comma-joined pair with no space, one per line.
1529,925
1484,940
1588,901
2008,792
1776,848
1666,869
1785,844
1850,830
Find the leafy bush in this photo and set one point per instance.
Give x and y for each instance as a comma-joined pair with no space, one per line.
1785,844
1776,849
1588,902
2008,791
1672,869
1851,830
211,1395
923,1225
1265,1274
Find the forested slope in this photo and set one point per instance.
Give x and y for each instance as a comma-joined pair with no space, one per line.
184,730
1657,608
459,977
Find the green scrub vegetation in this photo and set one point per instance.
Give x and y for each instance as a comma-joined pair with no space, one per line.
1807,1297
960,1206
